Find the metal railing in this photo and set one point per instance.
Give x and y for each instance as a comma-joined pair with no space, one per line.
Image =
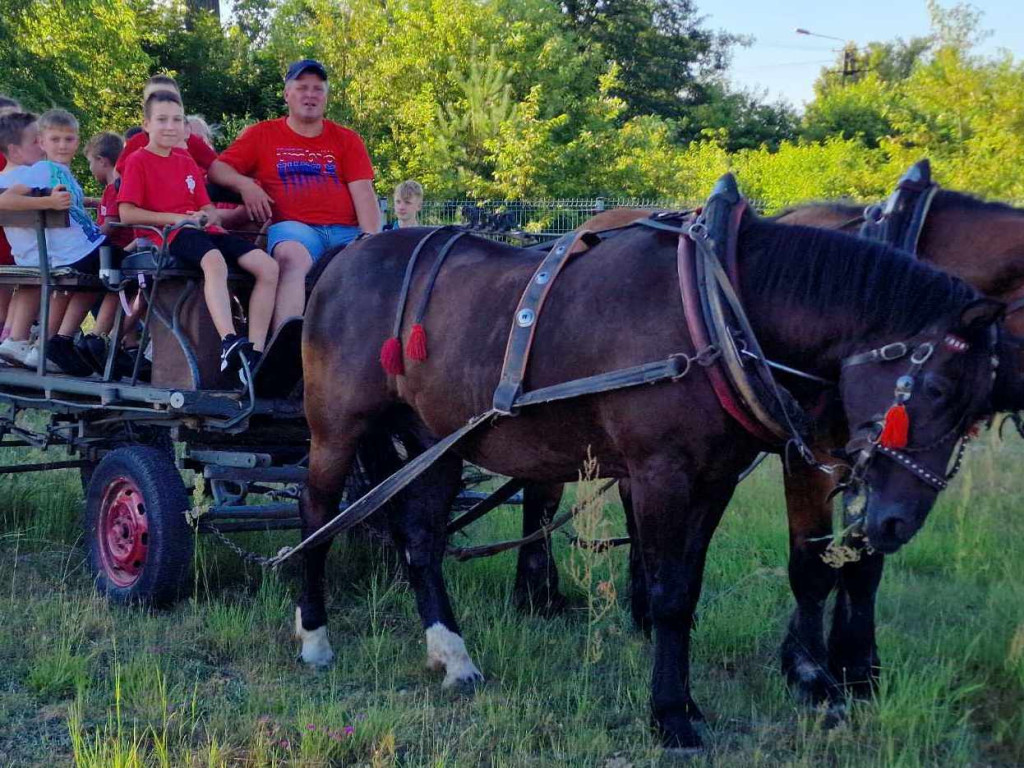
525,219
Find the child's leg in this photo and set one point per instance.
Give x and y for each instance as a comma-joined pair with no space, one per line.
77,308
261,301
59,301
23,312
215,289
106,315
5,303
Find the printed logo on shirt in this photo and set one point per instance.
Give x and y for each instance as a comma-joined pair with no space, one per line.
190,182
298,167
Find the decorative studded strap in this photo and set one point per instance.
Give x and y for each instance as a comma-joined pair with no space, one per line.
524,325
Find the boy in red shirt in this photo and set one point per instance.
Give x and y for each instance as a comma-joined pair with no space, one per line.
161,187
102,152
7,104
194,145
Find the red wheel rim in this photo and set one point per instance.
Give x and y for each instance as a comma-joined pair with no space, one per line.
123,532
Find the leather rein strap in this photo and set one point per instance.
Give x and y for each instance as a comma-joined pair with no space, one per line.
524,327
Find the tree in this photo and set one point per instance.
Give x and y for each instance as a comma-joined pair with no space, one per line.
663,52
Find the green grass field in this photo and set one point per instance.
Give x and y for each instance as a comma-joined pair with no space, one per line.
215,681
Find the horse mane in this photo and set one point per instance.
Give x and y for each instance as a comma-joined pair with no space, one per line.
948,199
883,288
848,208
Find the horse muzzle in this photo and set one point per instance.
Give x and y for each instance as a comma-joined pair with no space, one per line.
890,525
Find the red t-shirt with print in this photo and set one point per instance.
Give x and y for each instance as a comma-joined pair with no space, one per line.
197,148
6,259
172,184
306,177
118,236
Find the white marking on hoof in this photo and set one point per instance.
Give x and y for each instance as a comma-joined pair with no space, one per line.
808,671
316,649
447,649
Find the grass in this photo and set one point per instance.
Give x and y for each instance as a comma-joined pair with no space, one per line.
215,682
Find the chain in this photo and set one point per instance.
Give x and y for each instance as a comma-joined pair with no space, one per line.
250,557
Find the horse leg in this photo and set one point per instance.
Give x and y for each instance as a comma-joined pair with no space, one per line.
675,519
329,462
852,651
639,604
803,654
536,584
419,522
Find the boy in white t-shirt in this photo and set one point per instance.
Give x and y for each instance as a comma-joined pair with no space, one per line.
76,245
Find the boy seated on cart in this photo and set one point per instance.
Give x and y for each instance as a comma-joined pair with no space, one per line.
25,140
161,187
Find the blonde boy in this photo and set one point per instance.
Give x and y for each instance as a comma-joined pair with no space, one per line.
408,203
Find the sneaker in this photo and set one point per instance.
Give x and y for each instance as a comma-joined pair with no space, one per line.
15,351
32,361
124,364
60,350
252,357
93,349
230,350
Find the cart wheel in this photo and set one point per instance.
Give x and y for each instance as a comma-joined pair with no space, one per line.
156,437
140,544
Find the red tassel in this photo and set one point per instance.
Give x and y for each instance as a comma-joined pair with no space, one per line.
416,349
895,428
391,357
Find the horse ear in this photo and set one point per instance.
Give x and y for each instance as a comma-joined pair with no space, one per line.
981,313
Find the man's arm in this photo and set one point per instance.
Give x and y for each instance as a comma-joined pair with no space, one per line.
257,202
364,198
17,198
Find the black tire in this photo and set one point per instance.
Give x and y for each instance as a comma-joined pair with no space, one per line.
154,436
140,544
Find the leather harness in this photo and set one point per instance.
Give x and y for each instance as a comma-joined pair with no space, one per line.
899,221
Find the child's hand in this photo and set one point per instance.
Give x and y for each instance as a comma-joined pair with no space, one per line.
60,198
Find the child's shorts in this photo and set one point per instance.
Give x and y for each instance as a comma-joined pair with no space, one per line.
90,263
190,245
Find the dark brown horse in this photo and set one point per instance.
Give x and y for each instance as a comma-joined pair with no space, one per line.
616,307
981,242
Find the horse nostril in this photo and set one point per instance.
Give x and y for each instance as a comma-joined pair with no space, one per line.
893,528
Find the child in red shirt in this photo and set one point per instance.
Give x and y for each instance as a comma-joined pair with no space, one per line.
102,152
191,144
162,187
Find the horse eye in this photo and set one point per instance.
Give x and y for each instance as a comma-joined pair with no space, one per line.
936,388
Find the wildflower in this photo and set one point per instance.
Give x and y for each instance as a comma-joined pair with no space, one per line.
336,735
349,730
310,727
284,744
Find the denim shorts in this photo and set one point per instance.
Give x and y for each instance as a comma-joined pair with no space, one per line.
317,238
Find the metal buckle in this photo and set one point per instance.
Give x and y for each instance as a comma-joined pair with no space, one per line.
893,351
922,353
697,231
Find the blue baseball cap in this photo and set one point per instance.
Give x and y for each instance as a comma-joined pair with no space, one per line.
305,65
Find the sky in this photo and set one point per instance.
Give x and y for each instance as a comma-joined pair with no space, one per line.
787,64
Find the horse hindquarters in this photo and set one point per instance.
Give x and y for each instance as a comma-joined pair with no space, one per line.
675,517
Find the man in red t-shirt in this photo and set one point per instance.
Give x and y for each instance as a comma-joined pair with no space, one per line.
310,176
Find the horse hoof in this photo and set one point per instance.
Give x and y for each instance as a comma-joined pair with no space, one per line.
465,684
835,715
316,648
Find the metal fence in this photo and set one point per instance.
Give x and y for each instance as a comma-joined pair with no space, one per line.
528,219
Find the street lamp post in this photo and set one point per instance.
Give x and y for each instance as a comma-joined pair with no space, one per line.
850,68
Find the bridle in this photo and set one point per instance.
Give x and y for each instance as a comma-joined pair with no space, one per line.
867,441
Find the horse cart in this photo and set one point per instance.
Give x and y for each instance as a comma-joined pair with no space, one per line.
245,445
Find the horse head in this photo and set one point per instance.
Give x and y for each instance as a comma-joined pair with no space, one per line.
909,404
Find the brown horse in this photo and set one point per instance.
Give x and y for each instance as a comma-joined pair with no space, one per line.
981,242
615,307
